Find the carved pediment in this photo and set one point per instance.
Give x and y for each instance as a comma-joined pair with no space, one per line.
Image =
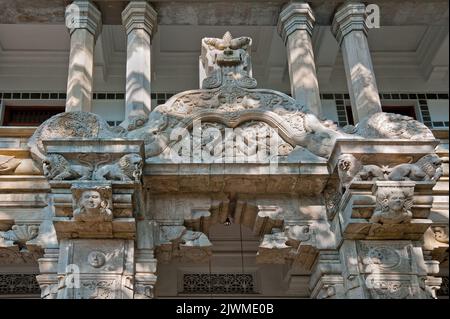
229,98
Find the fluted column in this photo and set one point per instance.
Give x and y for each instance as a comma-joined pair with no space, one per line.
350,29
139,19
295,26
83,20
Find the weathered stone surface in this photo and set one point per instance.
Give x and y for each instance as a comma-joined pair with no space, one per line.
342,213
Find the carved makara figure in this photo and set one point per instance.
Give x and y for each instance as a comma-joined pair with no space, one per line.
56,167
127,168
393,206
427,168
93,206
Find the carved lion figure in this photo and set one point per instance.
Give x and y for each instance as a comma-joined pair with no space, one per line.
93,206
427,168
128,168
56,167
393,205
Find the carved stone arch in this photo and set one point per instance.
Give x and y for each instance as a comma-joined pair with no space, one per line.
232,121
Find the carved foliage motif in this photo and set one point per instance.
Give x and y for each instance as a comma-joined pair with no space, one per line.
18,235
18,246
389,289
251,141
218,283
143,291
98,289
281,246
441,233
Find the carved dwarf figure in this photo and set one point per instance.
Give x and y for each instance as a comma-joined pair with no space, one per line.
92,207
393,206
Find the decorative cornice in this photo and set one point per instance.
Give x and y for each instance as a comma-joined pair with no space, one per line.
82,14
349,17
295,16
139,15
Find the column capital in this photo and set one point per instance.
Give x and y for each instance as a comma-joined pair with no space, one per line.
83,14
295,16
139,15
349,17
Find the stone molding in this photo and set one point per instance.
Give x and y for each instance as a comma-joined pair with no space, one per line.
295,16
349,17
139,15
83,14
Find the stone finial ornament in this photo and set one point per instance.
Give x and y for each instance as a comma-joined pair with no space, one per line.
19,235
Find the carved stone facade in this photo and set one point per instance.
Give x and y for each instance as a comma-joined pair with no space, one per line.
352,211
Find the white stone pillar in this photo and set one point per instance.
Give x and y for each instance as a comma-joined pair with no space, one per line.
295,25
350,29
139,19
83,20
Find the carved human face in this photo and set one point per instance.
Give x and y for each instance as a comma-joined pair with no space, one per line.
396,201
91,200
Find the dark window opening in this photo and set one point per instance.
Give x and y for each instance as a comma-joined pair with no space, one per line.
29,115
402,110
